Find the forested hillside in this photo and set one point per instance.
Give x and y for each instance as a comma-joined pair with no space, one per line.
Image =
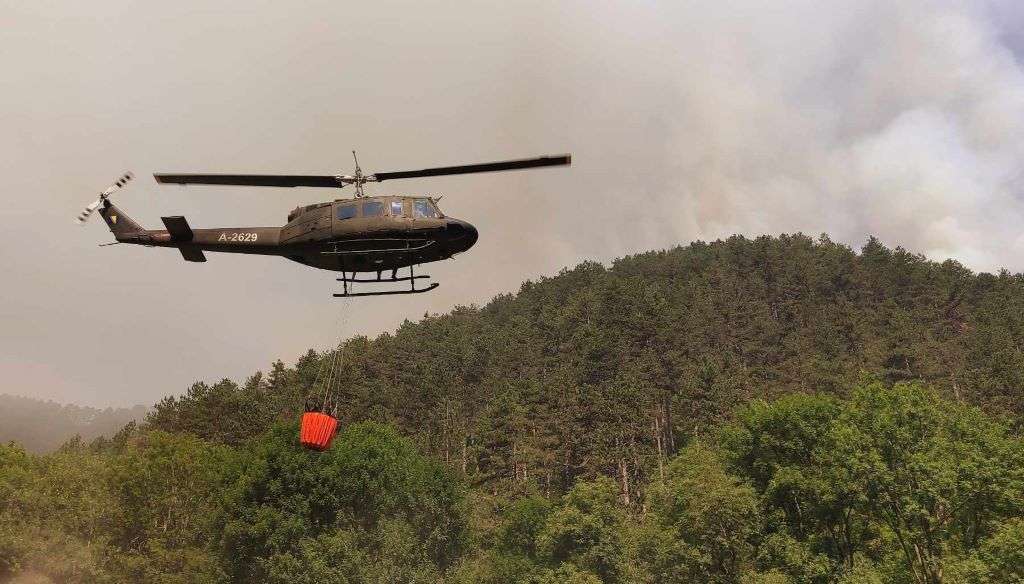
769,411
604,372
42,426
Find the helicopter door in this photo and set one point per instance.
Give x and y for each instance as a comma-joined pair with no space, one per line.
401,211
321,227
373,215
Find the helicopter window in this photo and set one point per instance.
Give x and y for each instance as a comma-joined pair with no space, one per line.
373,209
396,208
346,211
423,208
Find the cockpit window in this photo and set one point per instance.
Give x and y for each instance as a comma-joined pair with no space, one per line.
423,208
373,209
396,208
346,211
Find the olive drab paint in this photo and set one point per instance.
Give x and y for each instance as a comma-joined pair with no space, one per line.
316,237
365,234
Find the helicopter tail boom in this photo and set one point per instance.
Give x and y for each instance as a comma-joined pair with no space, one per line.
120,224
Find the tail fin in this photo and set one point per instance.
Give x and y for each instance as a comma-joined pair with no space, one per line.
120,224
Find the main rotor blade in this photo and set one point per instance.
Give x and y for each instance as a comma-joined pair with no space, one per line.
559,160
252,180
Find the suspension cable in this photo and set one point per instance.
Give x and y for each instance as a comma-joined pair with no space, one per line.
327,371
333,374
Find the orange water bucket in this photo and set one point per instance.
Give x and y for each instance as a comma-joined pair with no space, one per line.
317,430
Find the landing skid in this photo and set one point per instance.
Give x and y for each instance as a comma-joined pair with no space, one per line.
411,278
387,292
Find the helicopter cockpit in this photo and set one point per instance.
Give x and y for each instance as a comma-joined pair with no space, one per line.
425,208
396,206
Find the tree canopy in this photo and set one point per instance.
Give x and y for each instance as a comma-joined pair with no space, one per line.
772,411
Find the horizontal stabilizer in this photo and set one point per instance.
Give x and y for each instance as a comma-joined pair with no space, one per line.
178,228
192,254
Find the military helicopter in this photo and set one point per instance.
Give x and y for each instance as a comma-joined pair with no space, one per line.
365,234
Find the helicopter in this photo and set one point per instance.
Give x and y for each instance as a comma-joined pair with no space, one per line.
377,235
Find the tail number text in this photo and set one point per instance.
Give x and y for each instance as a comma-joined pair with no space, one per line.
238,237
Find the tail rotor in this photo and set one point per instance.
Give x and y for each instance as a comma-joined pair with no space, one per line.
88,211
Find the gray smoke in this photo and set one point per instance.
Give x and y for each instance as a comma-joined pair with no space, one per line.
687,120
899,119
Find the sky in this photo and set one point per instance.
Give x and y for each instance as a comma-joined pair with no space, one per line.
686,119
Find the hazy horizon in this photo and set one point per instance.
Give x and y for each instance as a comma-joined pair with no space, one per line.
685,120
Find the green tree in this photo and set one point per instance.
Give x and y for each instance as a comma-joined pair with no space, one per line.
712,512
810,517
999,559
165,489
586,530
56,516
939,476
563,574
371,484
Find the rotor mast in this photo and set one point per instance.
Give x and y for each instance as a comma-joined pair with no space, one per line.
359,178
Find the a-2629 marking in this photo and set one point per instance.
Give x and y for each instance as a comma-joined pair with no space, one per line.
238,237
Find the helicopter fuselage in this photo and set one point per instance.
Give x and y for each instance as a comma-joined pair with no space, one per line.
366,234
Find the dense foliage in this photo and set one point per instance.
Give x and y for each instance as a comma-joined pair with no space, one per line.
893,484
744,412
607,372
